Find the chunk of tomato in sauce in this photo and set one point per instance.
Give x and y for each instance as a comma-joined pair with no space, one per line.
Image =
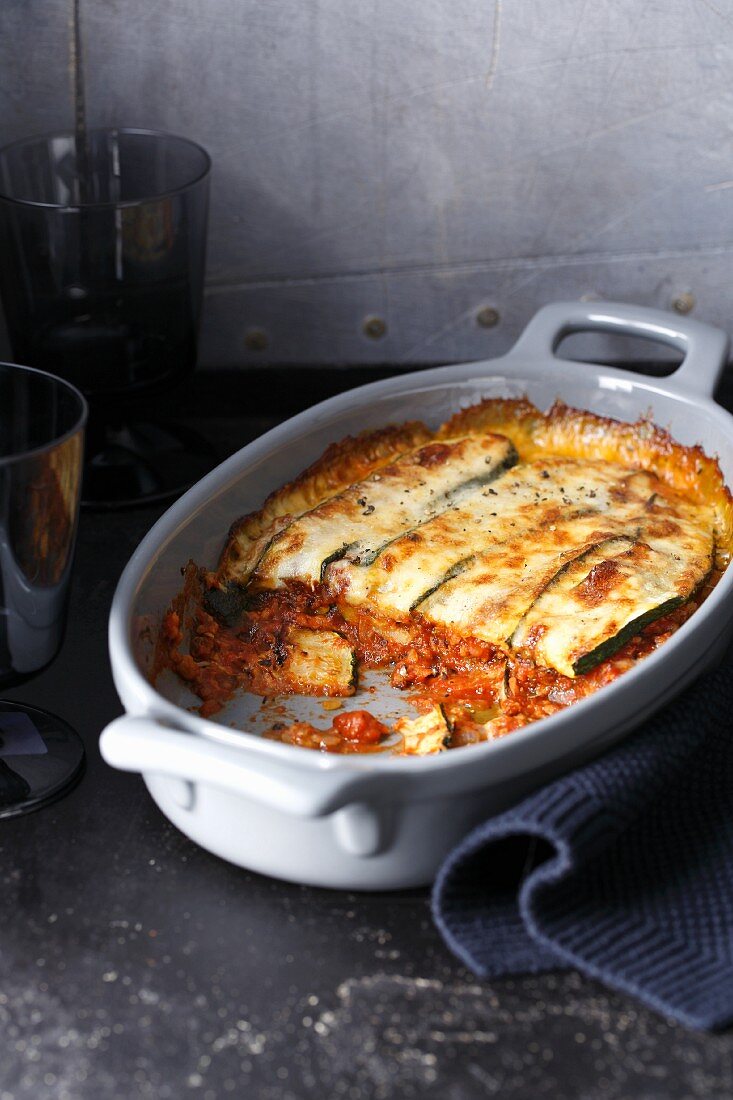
360,726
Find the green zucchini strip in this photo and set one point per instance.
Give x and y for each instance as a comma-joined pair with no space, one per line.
319,662
362,520
488,599
450,500
427,734
518,504
608,595
602,652
251,535
553,598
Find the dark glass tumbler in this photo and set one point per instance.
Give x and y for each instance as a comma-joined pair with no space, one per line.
42,422
102,254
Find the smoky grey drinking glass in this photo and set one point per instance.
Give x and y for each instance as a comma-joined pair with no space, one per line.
102,257
102,253
42,422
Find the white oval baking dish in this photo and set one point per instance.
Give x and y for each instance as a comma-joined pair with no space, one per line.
378,821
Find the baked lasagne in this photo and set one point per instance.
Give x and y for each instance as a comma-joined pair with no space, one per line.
497,570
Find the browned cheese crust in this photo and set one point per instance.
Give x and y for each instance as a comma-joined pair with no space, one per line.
501,568
341,464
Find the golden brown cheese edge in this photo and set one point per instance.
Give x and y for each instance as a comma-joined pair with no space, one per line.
342,464
575,433
562,431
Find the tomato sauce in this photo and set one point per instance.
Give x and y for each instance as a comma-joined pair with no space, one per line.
354,731
485,693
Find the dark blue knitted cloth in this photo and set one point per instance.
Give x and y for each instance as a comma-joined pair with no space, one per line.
622,868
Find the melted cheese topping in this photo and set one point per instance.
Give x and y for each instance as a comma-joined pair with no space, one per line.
521,504
608,593
358,523
339,466
510,564
489,597
469,536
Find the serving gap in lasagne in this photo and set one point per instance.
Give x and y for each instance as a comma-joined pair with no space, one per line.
494,571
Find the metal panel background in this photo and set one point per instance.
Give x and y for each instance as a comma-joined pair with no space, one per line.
415,159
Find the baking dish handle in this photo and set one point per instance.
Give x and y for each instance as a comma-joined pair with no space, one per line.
142,744
705,348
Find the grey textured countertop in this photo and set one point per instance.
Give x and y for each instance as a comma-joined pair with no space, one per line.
136,965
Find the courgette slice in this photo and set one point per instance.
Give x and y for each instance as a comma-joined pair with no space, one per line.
343,463
361,521
449,500
523,503
588,661
603,598
489,597
425,735
318,662
226,603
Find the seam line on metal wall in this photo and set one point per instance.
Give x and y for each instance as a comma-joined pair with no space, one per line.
573,259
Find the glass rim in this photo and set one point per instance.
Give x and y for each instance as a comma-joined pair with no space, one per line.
109,205
79,424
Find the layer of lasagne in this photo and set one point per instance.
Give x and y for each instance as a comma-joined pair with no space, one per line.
498,570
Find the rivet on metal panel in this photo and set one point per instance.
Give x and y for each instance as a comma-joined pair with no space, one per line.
488,317
683,303
255,339
374,327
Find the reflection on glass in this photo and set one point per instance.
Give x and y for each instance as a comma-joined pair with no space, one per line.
102,261
41,450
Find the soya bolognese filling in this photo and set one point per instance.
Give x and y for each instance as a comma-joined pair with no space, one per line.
498,569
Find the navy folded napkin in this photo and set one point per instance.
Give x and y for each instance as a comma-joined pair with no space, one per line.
623,868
